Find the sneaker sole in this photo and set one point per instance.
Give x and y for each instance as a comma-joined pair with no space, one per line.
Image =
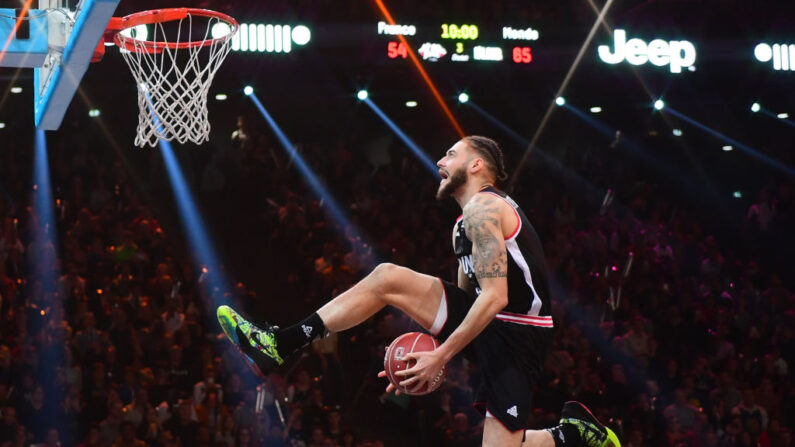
227,318
612,438
228,321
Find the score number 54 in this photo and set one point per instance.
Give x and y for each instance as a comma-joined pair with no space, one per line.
396,49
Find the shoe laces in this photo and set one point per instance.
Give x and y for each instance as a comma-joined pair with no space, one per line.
591,435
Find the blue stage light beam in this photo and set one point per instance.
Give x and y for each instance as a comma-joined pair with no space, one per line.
45,269
775,116
203,252
639,152
592,121
44,210
315,184
415,149
769,161
201,247
554,166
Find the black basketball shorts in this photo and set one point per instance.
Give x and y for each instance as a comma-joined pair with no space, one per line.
510,352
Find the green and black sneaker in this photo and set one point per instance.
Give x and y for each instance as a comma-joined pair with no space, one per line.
592,432
257,345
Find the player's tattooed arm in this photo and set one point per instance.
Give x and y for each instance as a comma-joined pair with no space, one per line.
482,224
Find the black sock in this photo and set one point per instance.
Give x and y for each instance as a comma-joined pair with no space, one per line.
565,435
295,337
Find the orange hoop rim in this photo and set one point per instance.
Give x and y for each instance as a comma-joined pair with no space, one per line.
152,16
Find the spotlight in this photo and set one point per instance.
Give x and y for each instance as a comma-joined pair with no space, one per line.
301,35
248,90
755,107
659,104
560,101
463,98
783,116
93,113
220,30
596,109
738,194
222,96
362,95
2,125
16,89
728,148
677,132
411,103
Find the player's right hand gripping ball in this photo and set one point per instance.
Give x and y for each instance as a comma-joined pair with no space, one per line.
393,361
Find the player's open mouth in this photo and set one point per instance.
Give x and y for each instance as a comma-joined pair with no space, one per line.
442,174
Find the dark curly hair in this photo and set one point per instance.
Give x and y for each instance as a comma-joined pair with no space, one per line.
491,153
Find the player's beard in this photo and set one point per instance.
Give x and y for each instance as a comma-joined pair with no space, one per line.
457,179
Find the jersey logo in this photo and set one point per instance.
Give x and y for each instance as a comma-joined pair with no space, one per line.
513,411
466,264
307,330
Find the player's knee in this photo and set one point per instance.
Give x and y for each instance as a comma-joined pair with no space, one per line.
384,278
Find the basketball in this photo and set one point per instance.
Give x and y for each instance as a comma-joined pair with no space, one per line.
393,361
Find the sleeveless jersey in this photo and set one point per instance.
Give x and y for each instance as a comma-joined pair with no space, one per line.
528,284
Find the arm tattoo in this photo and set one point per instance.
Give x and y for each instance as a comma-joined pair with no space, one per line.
480,220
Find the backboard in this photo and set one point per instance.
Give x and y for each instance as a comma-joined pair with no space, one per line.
58,44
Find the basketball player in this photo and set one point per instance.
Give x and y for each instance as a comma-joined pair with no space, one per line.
500,308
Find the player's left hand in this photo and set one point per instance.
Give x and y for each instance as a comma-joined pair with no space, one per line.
426,370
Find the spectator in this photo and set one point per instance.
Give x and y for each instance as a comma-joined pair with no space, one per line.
110,428
684,413
753,417
127,437
184,424
137,410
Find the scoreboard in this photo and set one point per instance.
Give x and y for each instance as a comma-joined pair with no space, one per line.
459,42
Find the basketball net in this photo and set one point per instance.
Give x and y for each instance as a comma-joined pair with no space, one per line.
174,77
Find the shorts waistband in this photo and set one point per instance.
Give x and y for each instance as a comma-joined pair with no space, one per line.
529,320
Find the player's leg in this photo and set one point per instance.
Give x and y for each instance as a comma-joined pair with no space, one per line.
578,428
266,347
538,438
497,435
414,293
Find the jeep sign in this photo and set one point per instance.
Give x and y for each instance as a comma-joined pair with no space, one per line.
676,53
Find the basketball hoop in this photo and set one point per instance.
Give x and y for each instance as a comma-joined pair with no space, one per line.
173,68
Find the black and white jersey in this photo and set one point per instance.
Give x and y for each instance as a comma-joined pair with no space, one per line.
528,284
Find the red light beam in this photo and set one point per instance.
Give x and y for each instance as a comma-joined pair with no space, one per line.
13,32
422,71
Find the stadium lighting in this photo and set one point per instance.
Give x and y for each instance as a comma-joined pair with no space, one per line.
728,148
248,90
782,116
16,89
362,95
220,30
738,194
463,98
677,132
411,103
659,104
596,109
755,107
93,113
2,125
301,35
221,97
560,101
